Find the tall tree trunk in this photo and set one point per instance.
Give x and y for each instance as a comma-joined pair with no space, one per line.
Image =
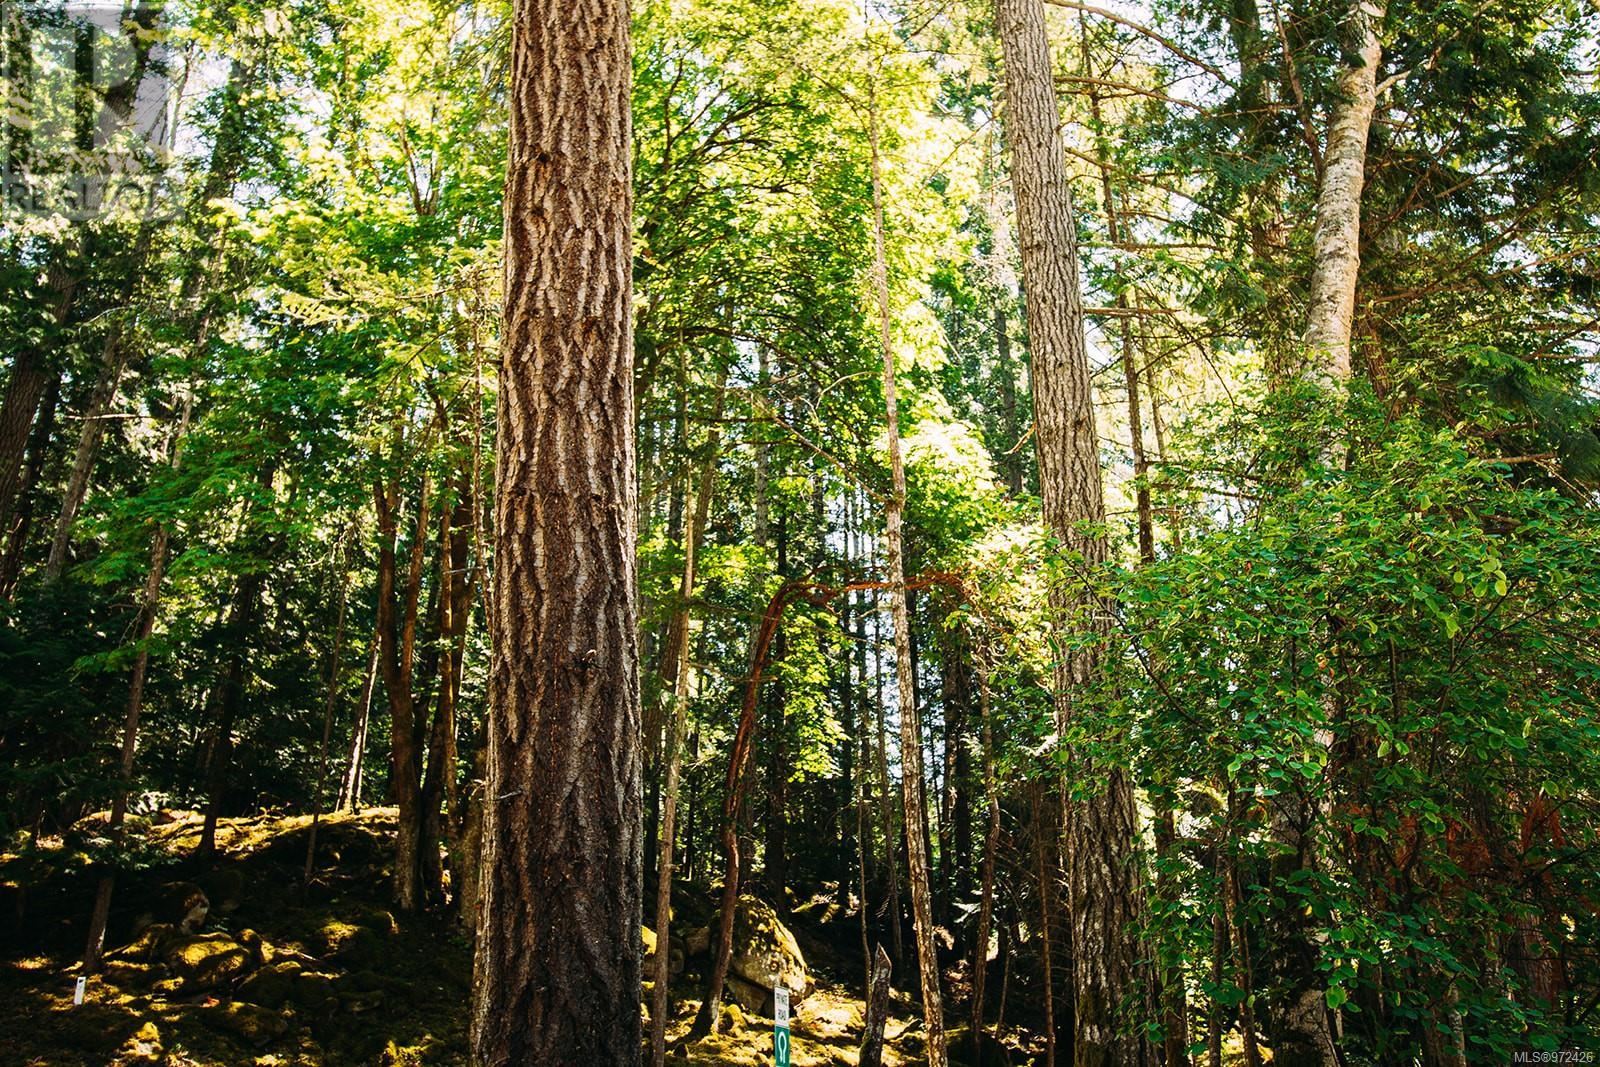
911,779
441,809
709,1018
991,845
397,641
1336,241
1174,999
673,744
244,611
330,704
891,835
1105,907
557,970
1300,1029
149,601
776,856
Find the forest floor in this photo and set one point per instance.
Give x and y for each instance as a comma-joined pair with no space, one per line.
280,973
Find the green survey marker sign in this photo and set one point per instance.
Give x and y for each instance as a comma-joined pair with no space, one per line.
780,1025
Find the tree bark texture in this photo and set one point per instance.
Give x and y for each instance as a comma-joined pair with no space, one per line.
557,969
1336,241
1104,899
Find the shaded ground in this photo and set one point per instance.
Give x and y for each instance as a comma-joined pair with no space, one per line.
278,973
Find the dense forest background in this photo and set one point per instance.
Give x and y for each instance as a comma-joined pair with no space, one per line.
1342,635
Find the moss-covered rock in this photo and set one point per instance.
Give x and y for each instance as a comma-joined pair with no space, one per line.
129,975
271,986
143,1047
148,946
251,1023
210,961
765,953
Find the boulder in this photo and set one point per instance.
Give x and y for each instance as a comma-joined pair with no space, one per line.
127,974
143,1047
148,946
765,953
251,1023
379,921
270,986
753,998
208,961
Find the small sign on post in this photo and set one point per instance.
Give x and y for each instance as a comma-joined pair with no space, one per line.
77,990
780,1025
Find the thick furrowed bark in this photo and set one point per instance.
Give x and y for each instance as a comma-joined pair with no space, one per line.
557,969
1105,902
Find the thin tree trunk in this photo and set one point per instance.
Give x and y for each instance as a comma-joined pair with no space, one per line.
673,745
777,777
454,592
328,707
1244,970
149,601
991,845
114,358
891,835
709,1019
397,661
911,780
244,611
557,969
856,680
1046,921
1219,953
350,789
